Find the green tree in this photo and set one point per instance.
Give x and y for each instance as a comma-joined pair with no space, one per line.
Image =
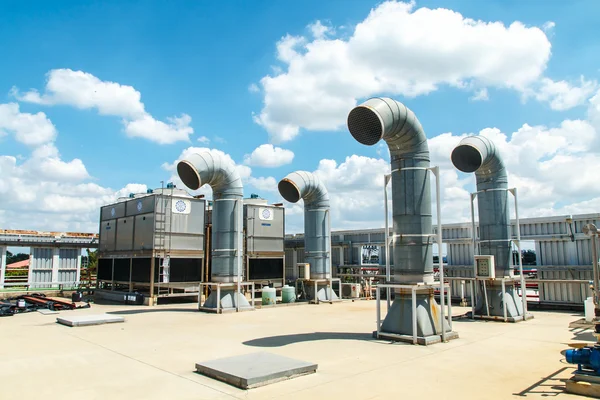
92,258
13,258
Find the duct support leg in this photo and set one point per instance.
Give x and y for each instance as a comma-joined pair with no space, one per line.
499,300
2,266
416,315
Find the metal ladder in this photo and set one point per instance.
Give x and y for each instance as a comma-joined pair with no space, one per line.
163,242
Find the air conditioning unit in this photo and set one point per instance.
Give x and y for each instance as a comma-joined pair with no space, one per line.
484,267
351,290
303,270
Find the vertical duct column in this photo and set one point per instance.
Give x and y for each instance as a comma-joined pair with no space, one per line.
2,266
227,220
55,265
387,119
479,154
317,231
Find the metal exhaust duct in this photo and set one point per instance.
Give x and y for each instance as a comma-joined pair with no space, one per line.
317,230
387,119
479,154
227,225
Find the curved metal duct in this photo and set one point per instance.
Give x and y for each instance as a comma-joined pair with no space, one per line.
479,154
227,225
211,169
317,232
387,119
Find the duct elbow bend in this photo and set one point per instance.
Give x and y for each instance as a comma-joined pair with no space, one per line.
479,154
304,185
214,170
387,119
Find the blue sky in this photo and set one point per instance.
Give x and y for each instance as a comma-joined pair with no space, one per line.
199,58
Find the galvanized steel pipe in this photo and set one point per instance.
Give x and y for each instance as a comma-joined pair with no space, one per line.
479,154
387,119
227,225
317,232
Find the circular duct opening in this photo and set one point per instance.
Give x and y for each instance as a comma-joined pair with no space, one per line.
466,158
188,175
288,190
365,125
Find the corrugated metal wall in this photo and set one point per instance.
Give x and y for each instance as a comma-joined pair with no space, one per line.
40,267
68,265
53,265
564,292
563,252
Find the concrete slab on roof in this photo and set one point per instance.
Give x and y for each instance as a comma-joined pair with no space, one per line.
256,369
86,320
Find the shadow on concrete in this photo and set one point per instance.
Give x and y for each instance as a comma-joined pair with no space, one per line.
147,309
547,386
586,336
284,340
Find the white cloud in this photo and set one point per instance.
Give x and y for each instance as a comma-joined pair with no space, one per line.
563,95
85,91
203,139
480,95
178,128
548,26
318,30
398,50
46,193
41,190
266,155
268,184
553,168
29,129
253,88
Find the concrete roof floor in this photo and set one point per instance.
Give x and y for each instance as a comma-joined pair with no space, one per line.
152,355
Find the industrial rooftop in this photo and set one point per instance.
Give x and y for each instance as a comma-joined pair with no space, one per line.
152,355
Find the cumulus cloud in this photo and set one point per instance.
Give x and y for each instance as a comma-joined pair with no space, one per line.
562,95
266,184
398,50
46,193
85,91
41,190
267,155
480,95
553,168
318,30
29,129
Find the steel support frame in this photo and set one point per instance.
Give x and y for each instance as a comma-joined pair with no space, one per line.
219,285
329,282
438,236
414,289
516,241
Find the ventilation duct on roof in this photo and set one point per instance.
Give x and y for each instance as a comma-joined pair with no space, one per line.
479,154
387,119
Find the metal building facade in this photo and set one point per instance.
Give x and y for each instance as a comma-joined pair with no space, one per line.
562,252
